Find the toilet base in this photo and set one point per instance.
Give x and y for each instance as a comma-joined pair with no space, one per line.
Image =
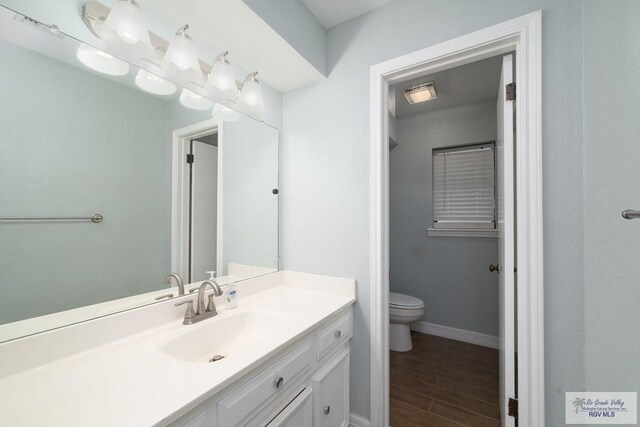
399,337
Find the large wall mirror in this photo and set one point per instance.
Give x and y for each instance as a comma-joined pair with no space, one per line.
111,178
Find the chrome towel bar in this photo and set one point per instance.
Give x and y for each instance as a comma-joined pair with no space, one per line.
95,218
630,214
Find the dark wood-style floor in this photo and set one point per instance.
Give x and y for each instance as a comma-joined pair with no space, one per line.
444,383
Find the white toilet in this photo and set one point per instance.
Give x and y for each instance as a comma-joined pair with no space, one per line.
403,310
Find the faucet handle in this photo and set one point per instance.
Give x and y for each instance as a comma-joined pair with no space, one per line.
211,306
190,314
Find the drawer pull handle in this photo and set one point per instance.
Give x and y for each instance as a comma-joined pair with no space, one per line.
338,334
279,382
327,409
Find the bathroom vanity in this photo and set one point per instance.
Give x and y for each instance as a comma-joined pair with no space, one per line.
125,187
285,362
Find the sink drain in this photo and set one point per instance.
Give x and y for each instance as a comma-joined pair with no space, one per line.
216,358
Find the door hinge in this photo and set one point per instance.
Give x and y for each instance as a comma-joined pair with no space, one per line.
190,158
510,91
513,407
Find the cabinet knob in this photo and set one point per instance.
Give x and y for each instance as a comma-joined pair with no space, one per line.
338,334
279,382
495,268
327,409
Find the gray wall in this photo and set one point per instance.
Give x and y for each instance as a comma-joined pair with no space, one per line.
449,274
74,143
326,166
612,184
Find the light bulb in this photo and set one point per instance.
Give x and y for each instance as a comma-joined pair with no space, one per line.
194,101
154,84
251,94
181,66
127,38
125,27
225,114
101,61
103,55
222,78
181,59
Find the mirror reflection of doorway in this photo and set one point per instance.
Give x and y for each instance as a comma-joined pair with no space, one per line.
202,160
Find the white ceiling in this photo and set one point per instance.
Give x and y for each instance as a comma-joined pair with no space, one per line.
334,12
231,25
468,84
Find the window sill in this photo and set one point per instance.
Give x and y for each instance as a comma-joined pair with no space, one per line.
462,232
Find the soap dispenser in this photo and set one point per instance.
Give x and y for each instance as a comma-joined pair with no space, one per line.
232,294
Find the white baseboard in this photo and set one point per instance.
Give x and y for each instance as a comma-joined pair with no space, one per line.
358,421
456,334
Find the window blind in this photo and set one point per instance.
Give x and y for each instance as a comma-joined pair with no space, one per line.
464,187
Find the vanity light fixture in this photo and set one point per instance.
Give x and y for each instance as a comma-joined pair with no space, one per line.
194,101
251,93
225,114
124,30
420,93
101,61
181,58
221,77
154,84
125,27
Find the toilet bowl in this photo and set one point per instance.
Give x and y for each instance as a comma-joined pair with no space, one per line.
403,310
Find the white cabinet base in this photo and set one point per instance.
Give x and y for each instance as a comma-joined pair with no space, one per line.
305,385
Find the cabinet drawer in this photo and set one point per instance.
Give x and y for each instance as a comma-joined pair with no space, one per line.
297,413
265,386
337,331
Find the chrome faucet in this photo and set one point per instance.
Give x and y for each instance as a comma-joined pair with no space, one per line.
179,282
201,313
211,306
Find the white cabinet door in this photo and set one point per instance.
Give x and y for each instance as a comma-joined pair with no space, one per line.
298,413
331,393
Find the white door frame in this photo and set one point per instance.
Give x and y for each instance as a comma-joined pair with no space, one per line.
180,193
522,35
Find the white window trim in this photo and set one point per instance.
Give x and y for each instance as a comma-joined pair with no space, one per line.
463,232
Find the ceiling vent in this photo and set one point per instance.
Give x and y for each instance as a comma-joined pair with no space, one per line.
420,93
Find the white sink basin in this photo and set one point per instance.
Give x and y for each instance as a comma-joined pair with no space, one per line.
225,336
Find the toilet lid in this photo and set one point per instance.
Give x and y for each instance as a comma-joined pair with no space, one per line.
402,300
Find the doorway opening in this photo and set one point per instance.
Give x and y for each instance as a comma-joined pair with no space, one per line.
196,205
516,153
447,211
202,163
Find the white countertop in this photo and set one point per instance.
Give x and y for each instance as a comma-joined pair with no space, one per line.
131,382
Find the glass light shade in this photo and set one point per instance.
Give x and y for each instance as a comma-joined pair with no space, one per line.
101,61
154,84
181,59
194,101
251,94
125,27
222,78
225,114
